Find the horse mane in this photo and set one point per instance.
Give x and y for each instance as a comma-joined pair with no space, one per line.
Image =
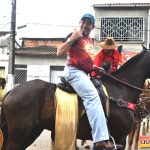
132,60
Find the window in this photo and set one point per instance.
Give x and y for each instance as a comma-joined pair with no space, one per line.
122,28
20,74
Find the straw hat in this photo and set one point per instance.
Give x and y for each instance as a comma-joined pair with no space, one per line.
109,43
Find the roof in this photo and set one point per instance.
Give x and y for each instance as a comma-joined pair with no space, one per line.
39,42
39,47
48,39
3,33
37,51
144,5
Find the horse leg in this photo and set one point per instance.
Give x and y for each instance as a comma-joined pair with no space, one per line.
85,143
137,133
20,139
147,127
144,129
52,139
13,144
131,136
76,145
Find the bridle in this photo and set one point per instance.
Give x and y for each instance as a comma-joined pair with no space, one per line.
125,83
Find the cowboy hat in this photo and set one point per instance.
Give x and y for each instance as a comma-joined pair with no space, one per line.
109,43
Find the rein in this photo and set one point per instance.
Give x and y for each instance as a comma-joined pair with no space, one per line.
125,83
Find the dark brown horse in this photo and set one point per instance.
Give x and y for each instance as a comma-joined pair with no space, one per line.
30,107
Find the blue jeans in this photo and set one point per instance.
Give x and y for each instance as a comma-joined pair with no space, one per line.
82,84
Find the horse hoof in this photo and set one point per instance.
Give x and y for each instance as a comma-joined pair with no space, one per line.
87,147
77,148
82,142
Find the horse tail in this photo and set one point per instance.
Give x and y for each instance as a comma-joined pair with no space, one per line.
3,125
66,120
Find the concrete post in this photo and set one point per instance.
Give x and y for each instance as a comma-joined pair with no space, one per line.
11,63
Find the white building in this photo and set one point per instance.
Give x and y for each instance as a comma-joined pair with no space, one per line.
127,23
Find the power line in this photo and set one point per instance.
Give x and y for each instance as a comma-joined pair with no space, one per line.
61,25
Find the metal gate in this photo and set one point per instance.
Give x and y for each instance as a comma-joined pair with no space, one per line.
20,74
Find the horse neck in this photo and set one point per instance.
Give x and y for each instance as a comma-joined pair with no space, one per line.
118,90
134,73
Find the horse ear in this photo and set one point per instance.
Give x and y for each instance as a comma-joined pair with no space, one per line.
106,65
120,48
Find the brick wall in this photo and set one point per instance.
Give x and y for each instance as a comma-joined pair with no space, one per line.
36,43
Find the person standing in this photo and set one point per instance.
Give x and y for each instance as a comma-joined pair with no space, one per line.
79,48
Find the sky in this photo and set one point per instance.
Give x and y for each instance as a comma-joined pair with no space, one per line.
48,18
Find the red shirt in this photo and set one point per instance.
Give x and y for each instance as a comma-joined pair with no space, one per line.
115,59
80,54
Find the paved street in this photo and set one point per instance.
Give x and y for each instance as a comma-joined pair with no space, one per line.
44,142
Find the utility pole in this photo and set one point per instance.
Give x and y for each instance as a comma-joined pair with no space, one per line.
11,63
148,31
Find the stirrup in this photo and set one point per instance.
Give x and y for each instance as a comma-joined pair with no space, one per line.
113,140
115,145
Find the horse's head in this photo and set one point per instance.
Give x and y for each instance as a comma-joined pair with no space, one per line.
106,65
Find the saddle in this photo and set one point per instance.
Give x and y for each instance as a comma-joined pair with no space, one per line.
64,85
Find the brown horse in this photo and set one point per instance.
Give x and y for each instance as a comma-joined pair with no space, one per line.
31,107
